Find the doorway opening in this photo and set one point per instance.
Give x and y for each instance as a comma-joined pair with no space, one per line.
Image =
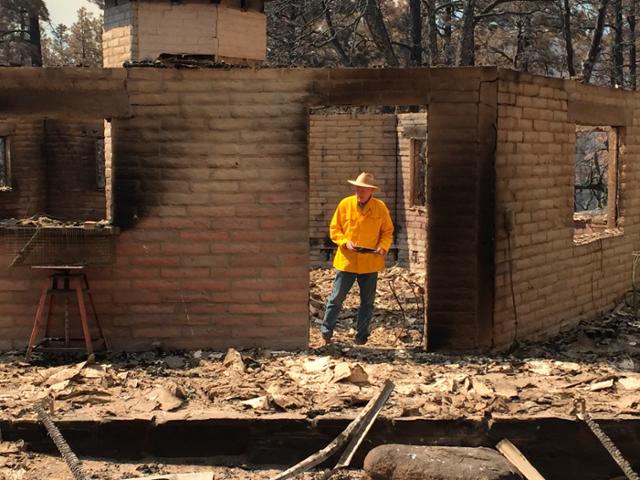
391,143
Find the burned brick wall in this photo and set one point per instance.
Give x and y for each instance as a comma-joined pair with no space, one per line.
341,145
460,205
557,278
74,151
211,176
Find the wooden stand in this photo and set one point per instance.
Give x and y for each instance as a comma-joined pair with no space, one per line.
63,282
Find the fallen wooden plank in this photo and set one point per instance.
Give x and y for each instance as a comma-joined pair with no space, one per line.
320,456
518,460
178,476
365,426
359,433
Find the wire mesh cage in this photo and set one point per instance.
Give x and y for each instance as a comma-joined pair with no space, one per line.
56,245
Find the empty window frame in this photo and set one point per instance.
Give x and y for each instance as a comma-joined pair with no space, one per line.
596,190
596,177
418,154
5,163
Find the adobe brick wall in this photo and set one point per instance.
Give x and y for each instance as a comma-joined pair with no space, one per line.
340,147
176,28
211,192
557,283
210,176
241,35
412,236
460,205
142,30
211,189
71,181
28,193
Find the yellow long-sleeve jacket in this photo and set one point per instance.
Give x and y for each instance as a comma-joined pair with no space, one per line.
369,227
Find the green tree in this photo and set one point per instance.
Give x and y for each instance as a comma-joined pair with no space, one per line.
85,40
55,46
79,45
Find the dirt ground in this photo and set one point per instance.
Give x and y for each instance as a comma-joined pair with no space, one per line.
598,361
27,466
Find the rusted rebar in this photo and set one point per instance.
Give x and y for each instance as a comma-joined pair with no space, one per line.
581,412
69,457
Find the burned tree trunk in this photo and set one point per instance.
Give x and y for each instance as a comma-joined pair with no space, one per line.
415,17
35,40
594,50
617,76
523,45
375,22
448,44
631,20
568,40
293,33
433,32
467,44
335,41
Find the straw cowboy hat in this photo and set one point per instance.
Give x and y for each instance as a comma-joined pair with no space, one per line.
365,180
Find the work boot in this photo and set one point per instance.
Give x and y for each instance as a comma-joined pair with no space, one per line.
327,338
360,341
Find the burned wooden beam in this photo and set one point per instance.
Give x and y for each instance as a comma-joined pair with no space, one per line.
361,431
357,426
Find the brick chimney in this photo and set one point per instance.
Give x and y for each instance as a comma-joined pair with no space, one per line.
234,31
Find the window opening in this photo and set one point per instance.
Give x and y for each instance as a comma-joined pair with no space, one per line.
418,172
596,182
5,167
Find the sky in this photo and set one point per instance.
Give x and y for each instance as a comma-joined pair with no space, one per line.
64,11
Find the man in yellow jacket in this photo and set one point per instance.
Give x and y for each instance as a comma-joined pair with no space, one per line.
361,227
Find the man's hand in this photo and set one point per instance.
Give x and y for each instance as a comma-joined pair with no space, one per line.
381,251
350,246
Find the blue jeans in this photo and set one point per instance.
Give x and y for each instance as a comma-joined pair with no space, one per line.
341,286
